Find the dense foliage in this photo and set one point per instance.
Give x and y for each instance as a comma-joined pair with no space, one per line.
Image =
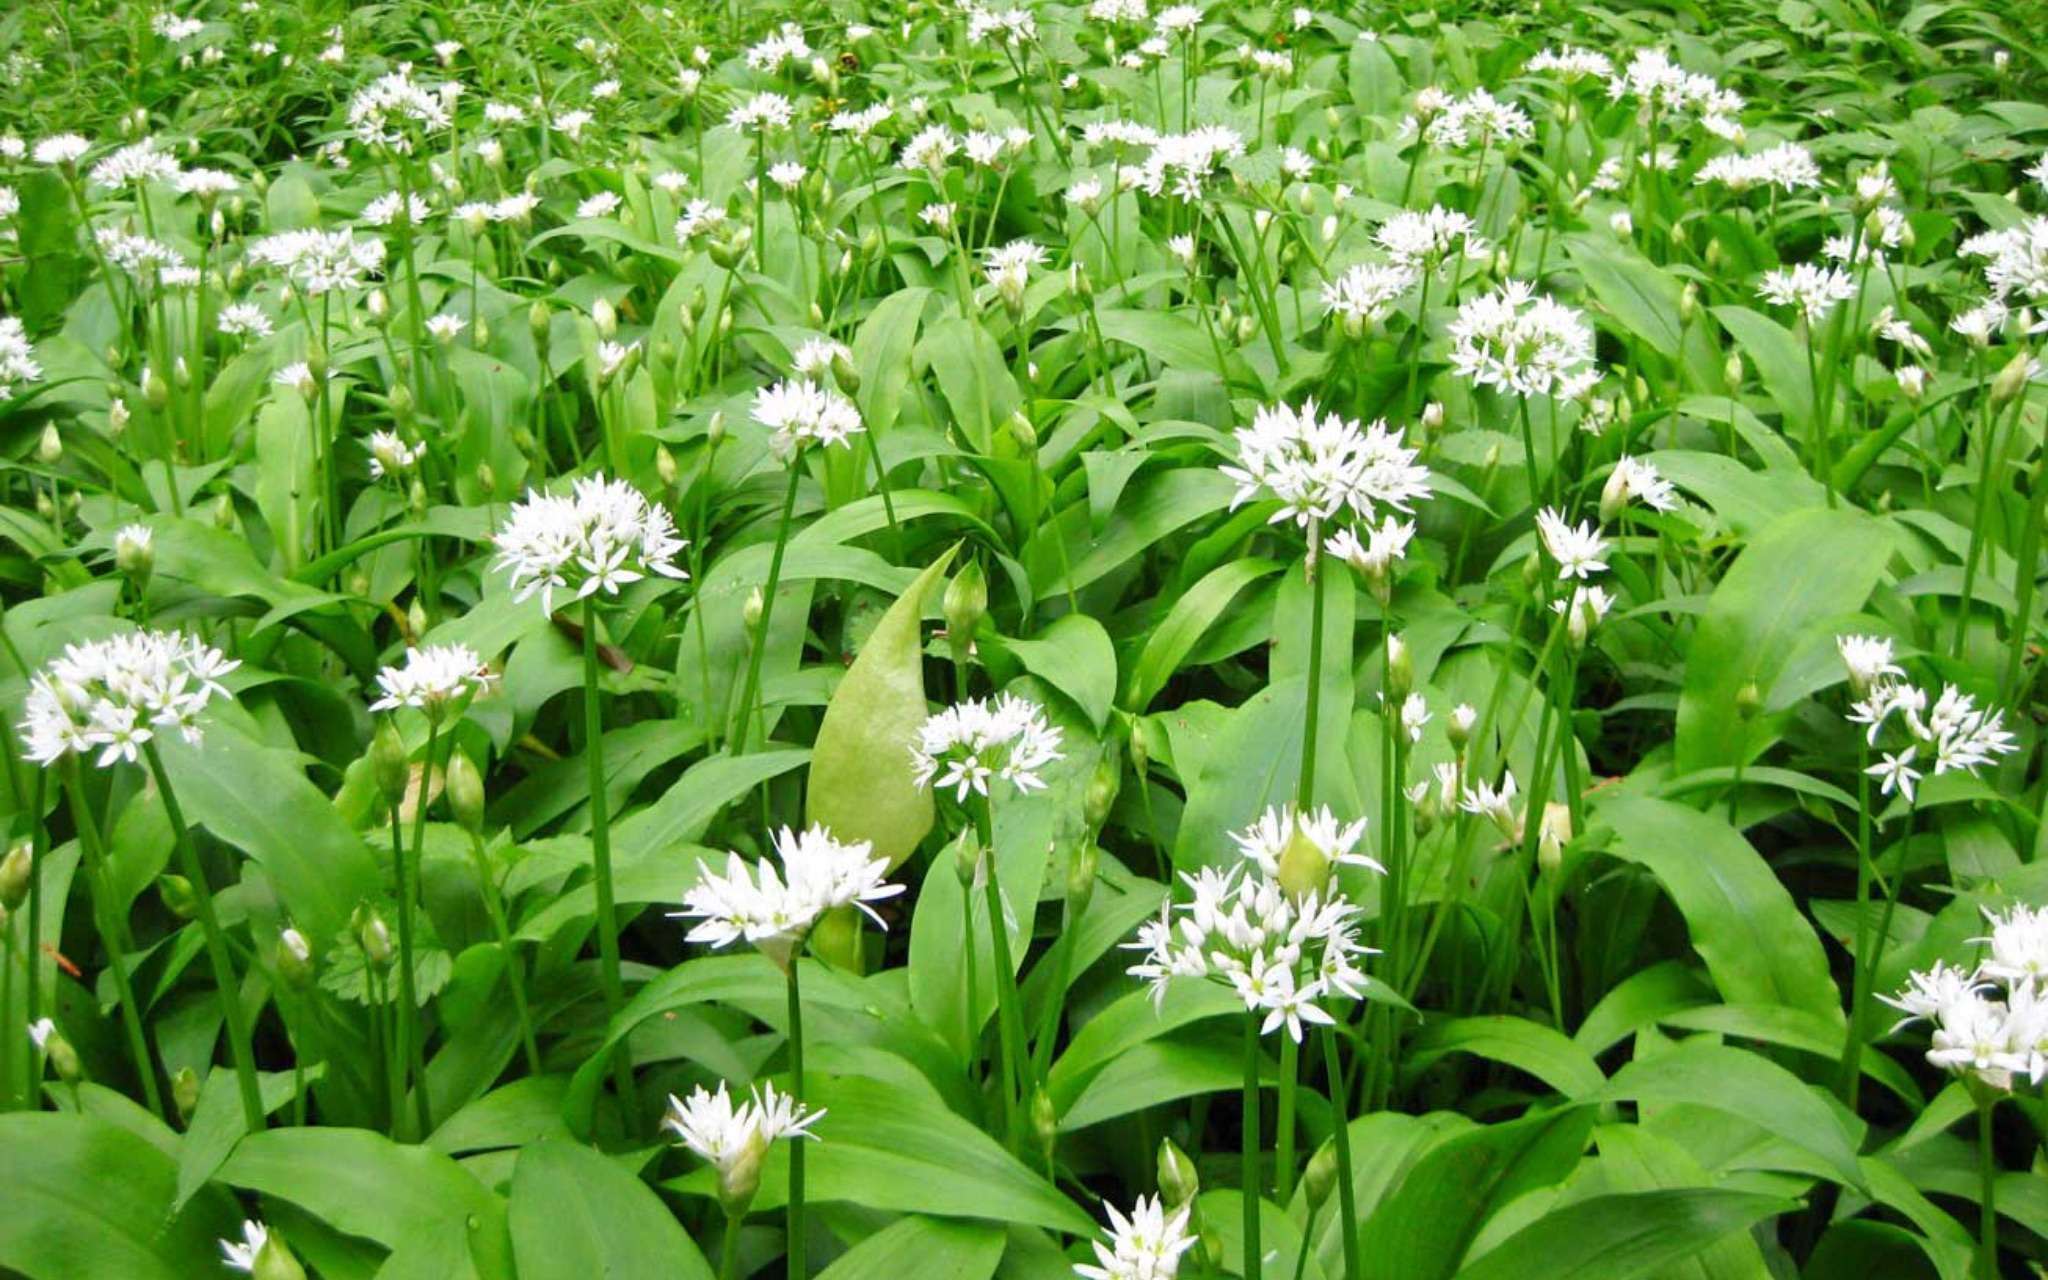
896,639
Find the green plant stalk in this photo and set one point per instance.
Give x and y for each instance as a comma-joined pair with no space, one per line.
1254,1254
797,1270
1979,521
970,1029
1850,1081
229,987
112,936
1009,1020
729,1251
1987,1202
2027,559
750,688
1305,785
515,968
411,1033
1062,974
38,839
601,860
1347,1205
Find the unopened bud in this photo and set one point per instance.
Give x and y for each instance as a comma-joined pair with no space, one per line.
845,374
2011,380
1045,1120
538,319
1748,701
1553,833
605,318
1400,669
50,446
1731,370
1102,789
275,1262
1321,1176
15,869
1688,302
178,896
374,936
751,613
967,858
390,763
965,604
1179,1184
294,957
1081,878
465,787
665,465
185,1093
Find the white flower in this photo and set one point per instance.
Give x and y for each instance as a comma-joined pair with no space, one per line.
799,412
1894,772
1869,659
1578,549
17,357
971,743
390,208
775,913
62,149
1635,480
732,1139
1181,163
1814,290
1266,841
1382,548
1495,805
1787,166
1145,1246
433,679
762,113
1973,1035
393,109
602,205
1926,993
600,537
1583,610
786,174
320,261
785,45
1523,343
698,216
1366,292
445,326
1319,465
1478,120
1425,241
1568,63
1179,19
929,149
132,543
114,694
245,319
135,164
40,1031
1007,26
1009,268
242,1257
815,357
2019,946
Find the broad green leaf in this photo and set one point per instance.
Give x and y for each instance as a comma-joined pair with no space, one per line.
1634,1160
1742,920
574,1214
1193,612
1623,1237
1543,1052
919,1246
1802,571
861,785
1640,297
1780,360
1075,656
363,1183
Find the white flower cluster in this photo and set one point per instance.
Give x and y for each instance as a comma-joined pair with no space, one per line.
1569,63
1477,120
115,694
1145,1246
1366,292
1427,240
394,109
1978,1030
598,538
1787,166
799,412
1319,465
784,45
762,113
320,261
1664,89
135,164
432,679
1814,290
1953,730
1182,163
1006,26
1580,552
1279,953
1523,343
775,913
2016,264
734,1139
18,363
969,744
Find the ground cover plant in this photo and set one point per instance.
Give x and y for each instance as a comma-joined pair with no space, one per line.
900,639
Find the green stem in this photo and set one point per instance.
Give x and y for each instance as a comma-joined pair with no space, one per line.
751,686
112,934
1340,1117
729,1252
797,1270
1283,1124
1848,1085
515,969
1987,1205
1254,1254
1304,788
2026,568
1009,1024
601,859
229,988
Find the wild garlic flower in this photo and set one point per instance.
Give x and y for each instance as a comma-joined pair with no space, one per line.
1992,1040
1427,240
799,412
1634,480
1178,20
1366,292
602,205
1009,267
1955,733
1814,290
434,678
18,364
1568,63
598,538
1182,163
115,694
784,45
241,1256
61,150
1578,549
392,209
134,165
1300,849
1478,120
1283,954
244,320
1145,1246
1927,992
970,744
393,110
1663,89
1586,608
1374,556
1005,26
1495,804
1869,660
698,217
319,262
814,359
2019,946
1318,465
929,149
2017,269
1523,343
774,913
1787,166
734,1140
762,113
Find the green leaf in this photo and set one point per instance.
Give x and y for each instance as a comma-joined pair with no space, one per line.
1640,297
87,1200
1422,1230
861,785
919,1246
1543,1052
1192,614
969,367
575,1214
1742,920
364,1184
1780,360
1805,570
1622,1237
1075,656
1633,1159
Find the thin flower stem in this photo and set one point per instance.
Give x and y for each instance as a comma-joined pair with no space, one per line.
410,1032
1347,1206
1009,1023
1850,1081
1987,1203
1254,1254
601,860
1283,1123
2026,563
38,840
729,1251
752,685
515,969
797,1270
229,987
112,935
1305,785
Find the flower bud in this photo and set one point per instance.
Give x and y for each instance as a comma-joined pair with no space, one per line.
967,858
465,788
486,478
739,1180
1433,416
965,604
1179,1184
57,1050
1321,1176
15,870
294,958
185,1093
1748,701
1304,867
1688,302
275,1262
1400,669
224,513
665,467
135,552
374,936
538,320
390,763
1022,431
751,613
178,896
845,374
117,416
1553,833
1102,790
50,447
1045,1120
1731,370
2011,380
1081,878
